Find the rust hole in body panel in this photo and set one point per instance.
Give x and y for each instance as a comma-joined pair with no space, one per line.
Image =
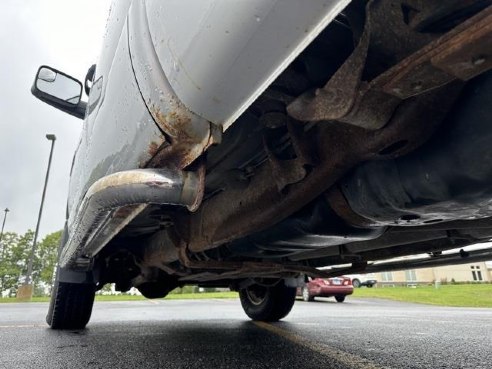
184,143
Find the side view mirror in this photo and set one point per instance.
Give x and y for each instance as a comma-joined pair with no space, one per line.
59,90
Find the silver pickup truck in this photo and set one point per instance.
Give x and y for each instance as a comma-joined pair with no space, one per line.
252,144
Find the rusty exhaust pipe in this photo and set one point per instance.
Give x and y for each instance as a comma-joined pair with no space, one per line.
115,200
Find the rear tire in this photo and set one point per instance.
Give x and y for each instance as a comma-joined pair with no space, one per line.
70,305
370,285
340,298
267,304
356,283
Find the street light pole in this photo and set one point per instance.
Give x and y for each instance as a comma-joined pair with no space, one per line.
27,281
3,226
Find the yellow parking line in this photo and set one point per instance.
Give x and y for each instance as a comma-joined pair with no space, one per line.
344,358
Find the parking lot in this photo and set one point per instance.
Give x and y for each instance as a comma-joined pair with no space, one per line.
360,333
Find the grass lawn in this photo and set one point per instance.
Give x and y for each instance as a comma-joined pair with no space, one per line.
173,296
465,295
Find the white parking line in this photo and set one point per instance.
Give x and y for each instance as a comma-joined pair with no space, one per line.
224,300
22,326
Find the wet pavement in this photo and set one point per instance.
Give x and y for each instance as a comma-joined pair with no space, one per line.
360,333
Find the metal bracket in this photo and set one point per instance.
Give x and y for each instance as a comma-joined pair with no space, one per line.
75,276
424,62
286,172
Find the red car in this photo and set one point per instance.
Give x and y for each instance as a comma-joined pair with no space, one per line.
338,287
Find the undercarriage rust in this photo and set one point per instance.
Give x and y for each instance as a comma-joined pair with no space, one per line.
216,270
452,56
462,53
235,213
164,252
183,144
287,172
359,115
347,97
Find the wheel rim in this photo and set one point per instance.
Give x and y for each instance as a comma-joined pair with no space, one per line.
305,294
256,294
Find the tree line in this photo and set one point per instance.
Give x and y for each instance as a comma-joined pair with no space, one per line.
15,250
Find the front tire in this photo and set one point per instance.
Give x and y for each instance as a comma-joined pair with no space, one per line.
268,304
356,283
70,305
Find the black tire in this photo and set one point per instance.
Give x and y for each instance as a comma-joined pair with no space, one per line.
370,285
356,283
306,296
340,298
71,305
268,304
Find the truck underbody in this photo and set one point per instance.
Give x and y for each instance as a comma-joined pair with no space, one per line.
373,144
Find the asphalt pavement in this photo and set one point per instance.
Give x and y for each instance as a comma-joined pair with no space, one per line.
360,333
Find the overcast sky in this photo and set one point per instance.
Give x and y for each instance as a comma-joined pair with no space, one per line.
66,35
